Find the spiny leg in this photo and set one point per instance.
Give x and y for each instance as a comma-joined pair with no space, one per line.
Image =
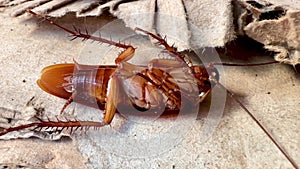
59,125
169,48
55,125
123,56
68,102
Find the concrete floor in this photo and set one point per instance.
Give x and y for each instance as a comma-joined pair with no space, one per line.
270,92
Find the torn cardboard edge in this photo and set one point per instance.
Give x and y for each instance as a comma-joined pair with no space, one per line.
276,27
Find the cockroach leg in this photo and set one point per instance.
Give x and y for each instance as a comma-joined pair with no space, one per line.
68,102
124,56
112,99
58,124
169,48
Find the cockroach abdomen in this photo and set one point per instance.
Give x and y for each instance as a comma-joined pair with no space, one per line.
53,79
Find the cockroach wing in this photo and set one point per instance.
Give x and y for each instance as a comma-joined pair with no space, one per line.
53,79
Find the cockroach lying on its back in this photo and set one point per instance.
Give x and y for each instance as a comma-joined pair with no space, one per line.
164,84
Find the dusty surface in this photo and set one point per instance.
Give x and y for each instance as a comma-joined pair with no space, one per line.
270,92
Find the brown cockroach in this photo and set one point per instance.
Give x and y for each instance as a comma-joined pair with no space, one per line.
154,86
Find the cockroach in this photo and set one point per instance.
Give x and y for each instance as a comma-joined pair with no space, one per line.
155,86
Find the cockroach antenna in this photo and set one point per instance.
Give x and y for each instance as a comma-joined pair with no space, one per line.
260,125
212,64
248,112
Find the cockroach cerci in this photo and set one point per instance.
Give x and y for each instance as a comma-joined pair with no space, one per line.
171,84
